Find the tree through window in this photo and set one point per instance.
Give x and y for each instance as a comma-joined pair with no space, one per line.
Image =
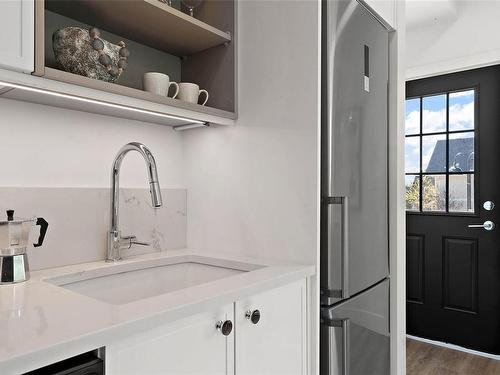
440,152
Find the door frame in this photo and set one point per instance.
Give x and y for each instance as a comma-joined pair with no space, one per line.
427,71
397,206
435,306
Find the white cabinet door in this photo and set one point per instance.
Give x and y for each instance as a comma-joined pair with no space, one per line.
189,346
17,35
276,344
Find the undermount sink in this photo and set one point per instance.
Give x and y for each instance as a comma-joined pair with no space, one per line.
118,286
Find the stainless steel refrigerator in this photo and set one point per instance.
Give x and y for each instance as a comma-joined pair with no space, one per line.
354,213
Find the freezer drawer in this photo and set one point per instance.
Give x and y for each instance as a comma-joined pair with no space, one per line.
354,212
355,335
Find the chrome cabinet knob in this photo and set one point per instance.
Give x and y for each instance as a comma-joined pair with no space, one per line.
253,316
487,225
225,327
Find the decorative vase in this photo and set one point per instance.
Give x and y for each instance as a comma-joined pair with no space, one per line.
74,51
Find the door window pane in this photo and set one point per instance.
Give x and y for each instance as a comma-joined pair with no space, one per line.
412,121
434,114
412,154
412,183
462,110
461,194
434,193
440,152
434,153
461,151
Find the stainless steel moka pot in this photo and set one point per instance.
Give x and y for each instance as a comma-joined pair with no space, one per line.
14,237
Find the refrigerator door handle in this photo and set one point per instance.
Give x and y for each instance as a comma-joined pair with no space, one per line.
345,325
344,244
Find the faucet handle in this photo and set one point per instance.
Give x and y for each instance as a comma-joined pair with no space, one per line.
132,240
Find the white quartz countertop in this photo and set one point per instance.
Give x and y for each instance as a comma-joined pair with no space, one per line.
41,323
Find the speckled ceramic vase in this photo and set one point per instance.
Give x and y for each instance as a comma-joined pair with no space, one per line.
73,50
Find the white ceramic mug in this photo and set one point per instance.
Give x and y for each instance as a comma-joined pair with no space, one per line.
190,92
158,83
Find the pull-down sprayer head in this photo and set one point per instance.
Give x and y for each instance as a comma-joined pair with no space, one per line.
154,189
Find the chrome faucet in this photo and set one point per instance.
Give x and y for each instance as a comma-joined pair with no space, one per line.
115,240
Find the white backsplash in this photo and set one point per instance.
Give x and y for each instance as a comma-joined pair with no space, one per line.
79,221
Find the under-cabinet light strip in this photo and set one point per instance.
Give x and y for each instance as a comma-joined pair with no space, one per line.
102,103
191,126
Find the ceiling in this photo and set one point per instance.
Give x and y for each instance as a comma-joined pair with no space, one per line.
423,13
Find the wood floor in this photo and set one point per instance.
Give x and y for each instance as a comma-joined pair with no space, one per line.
427,359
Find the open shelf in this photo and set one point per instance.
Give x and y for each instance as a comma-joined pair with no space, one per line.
40,90
161,39
148,22
59,75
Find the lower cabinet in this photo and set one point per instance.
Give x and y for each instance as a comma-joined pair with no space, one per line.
192,345
271,332
265,334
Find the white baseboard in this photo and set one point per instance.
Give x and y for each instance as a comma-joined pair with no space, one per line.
454,347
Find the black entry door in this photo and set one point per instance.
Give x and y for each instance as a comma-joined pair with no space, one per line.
452,169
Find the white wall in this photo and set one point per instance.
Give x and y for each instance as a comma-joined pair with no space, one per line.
252,188
472,40
51,147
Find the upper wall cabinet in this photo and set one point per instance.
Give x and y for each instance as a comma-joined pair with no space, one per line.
17,20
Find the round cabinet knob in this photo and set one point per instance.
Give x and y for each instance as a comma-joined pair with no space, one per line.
253,316
225,327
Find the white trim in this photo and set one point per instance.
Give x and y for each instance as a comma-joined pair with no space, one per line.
397,215
455,65
455,347
314,365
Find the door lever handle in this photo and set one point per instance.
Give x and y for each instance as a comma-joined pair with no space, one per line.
487,225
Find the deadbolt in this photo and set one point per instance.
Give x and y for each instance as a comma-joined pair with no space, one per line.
488,205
